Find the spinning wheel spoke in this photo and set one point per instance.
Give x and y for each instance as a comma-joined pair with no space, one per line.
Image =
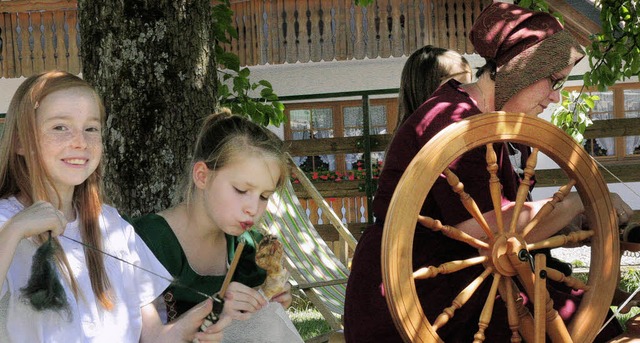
548,207
448,267
570,281
452,232
461,299
523,189
485,316
561,240
520,319
467,201
494,186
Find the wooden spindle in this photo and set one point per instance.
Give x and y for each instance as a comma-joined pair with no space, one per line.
494,185
467,201
452,232
487,310
548,207
570,281
561,240
448,267
523,189
461,299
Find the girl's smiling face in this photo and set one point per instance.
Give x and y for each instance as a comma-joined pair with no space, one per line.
69,132
236,195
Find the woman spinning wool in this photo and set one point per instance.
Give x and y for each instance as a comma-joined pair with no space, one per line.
528,57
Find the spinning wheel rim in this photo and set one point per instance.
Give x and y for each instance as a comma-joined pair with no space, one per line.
436,155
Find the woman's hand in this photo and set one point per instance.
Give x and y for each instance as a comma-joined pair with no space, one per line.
624,212
241,301
284,298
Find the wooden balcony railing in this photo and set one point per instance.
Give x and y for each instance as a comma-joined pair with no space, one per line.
41,35
290,31
39,40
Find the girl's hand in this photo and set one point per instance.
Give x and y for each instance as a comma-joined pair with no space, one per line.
184,329
214,332
241,301
284,298
36,219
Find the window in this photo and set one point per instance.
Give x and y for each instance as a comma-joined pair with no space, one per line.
620,101
333,120
311,124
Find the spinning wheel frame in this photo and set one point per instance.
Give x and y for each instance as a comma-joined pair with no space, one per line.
434,157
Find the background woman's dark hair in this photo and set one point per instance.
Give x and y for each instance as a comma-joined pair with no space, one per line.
423,72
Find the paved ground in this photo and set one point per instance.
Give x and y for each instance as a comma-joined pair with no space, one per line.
583,254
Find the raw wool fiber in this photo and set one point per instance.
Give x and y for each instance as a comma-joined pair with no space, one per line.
44,290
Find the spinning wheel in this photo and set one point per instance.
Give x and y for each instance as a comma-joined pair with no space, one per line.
505,248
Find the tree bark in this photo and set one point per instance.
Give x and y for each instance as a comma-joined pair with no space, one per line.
153,63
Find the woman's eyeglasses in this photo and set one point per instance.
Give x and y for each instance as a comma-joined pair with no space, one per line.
556,84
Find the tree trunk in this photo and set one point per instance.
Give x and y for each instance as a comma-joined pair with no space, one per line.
152,61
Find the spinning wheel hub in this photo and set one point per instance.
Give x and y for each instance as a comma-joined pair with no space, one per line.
503,246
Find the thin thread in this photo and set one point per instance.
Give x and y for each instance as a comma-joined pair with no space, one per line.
624,303
617,178
174,281
617,311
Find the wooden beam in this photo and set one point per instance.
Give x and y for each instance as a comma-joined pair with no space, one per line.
579,25
613,128
328,189
15,6
557,177
341,145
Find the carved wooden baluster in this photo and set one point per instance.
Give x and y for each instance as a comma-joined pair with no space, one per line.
467,201
461,299
487,310
549,206
448,267
494,185
561,240
452,232
523,189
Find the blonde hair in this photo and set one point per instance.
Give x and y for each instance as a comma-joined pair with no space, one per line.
25,173
224,136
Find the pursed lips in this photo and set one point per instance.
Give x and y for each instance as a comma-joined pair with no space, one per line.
246,225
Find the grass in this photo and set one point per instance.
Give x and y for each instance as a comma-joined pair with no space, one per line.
306,318
310,323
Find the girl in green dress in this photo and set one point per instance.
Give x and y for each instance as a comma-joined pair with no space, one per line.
236,166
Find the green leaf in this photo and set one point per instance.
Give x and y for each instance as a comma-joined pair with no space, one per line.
229,60
265,83
244,72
